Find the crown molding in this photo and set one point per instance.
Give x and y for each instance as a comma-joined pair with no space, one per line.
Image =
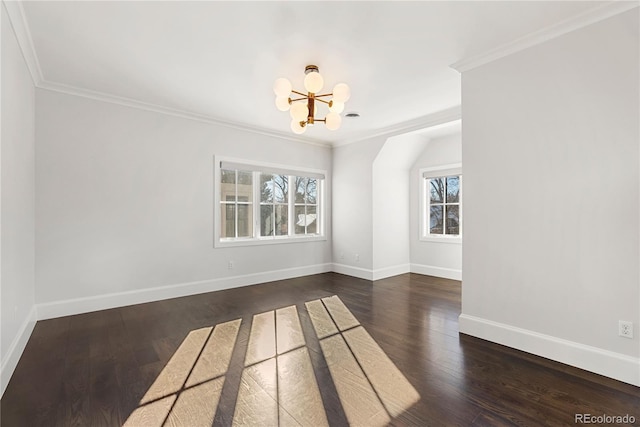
15,12
133,103
588,17
424,122
20,27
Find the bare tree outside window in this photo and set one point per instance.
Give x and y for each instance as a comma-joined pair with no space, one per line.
306,205
444,205
274,209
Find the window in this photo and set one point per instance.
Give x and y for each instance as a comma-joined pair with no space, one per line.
306,205
267,204
441,197
274,205
236,197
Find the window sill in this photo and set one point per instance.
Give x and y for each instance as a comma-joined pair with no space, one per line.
442,239
229,243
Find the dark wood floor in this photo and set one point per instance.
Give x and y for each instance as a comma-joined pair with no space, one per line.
93,369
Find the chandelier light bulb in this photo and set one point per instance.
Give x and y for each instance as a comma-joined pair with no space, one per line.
336,107
313,82
299,111
282,103
341,93
297,128
282,87
332,121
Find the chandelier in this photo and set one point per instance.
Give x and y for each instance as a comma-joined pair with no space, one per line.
303,113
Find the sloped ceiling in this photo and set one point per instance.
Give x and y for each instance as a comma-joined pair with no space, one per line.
218,60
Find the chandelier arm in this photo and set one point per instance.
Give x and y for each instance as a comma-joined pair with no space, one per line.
299,93
322,100
324,94
299,99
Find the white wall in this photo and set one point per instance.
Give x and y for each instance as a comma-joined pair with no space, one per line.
352,207
391,196
124,205
551,172
17,204
442,259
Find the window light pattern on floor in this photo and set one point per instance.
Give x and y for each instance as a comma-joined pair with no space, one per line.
278,385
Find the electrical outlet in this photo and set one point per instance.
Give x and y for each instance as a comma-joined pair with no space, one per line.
341,255
230,265
625,329
357,257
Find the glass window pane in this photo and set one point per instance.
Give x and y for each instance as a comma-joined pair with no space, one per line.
300,184
312,191
245,187
435,220
228,185
227,176
245,220
266,188
245,177
453,220
266,220
281,188
312,220
436,189
300,219
453,189
282,223
227,220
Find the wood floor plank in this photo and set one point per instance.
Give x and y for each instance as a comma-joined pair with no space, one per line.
94,369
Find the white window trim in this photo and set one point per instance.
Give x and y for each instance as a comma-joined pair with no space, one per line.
267,240
433,172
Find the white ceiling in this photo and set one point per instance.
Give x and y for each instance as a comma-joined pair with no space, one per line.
219,59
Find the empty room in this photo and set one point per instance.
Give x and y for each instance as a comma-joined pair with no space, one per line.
326,213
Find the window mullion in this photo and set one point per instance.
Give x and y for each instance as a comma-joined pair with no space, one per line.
444,207
273,207
235,213
290,207
256,204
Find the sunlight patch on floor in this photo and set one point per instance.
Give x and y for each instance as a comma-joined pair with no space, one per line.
277,385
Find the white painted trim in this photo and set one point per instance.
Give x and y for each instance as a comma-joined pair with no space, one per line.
431,270
394,270
438,118
610,364
15,12
588,17
102,302
133,103
349,270
16,348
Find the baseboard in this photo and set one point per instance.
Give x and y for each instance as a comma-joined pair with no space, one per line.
430,270
383,273
610,364
102,302
15,349
361,273
367,274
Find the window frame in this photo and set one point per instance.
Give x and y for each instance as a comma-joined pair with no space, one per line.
275,169
424,175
